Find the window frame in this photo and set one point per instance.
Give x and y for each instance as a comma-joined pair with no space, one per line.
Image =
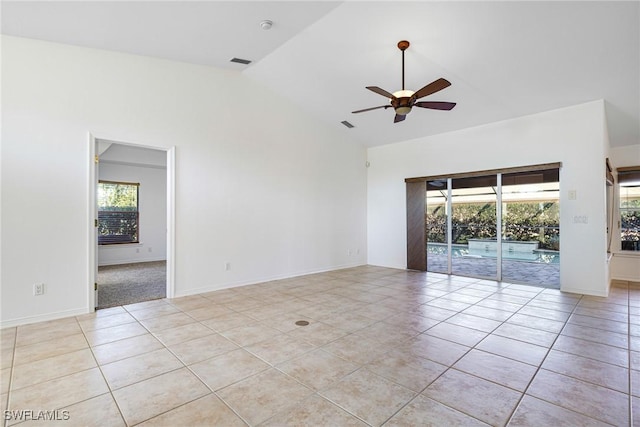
134,239
627,175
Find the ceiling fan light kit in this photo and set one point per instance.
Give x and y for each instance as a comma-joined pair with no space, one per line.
403,101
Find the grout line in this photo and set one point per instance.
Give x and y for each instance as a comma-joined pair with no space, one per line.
104,378
164,347
451,366
539,367
523,393
448,367
11,369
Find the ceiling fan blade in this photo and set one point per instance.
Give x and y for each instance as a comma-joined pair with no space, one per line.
432,87
372,108
380,91
434,105
399,118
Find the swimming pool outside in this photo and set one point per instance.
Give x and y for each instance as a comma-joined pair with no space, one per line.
543,272
537,255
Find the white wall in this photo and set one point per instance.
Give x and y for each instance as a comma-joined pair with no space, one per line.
573,136
259,183
624,265
152,211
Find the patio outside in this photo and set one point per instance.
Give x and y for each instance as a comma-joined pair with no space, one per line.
514,271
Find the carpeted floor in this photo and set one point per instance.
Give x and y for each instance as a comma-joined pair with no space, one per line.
130,283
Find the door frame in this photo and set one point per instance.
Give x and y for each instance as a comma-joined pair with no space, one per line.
92,187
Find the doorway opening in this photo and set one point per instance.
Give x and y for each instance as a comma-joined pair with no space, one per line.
131,209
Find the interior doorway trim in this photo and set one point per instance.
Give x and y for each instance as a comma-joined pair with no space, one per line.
92,180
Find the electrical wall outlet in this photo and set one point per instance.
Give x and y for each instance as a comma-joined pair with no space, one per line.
38,289
580,219
227,266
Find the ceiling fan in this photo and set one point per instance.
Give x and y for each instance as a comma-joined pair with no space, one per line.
403,100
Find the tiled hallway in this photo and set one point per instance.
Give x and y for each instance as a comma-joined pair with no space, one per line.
382,346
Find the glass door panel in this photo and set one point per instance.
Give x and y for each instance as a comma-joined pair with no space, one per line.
474,232
531,227
436,226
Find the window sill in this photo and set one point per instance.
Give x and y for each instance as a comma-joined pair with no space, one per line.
120,245
626,254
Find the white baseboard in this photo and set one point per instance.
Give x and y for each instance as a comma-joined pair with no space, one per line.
77,312
584,291
130,261
42,318
255,281
626,278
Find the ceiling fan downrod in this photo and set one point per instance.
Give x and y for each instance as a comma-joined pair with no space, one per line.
403,45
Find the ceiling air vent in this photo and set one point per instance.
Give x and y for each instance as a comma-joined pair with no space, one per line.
347,124
240,61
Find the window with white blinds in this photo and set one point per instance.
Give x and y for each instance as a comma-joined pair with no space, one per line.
629,191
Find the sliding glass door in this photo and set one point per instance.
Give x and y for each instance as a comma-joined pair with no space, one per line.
502,226
436,218
473,227
531,227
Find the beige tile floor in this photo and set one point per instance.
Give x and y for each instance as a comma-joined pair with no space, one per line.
383,347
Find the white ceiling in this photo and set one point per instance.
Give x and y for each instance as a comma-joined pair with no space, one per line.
504,59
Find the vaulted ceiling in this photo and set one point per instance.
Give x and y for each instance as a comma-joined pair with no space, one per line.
504,59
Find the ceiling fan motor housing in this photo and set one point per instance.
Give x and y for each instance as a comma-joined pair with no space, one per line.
402,101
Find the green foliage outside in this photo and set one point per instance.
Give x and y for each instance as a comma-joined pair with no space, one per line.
523,221
630,220
117,197
117,213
